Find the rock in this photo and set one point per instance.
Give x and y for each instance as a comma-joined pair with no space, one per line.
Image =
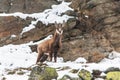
115,75
75,3
74,70
96,73
20,72
67,77
96,2
11,26
85,75
101,38
11,72
4,6
14,26
64,68
25,6
4,78
72,50
43,73
70,13
111,69
111,20
95,57
33,48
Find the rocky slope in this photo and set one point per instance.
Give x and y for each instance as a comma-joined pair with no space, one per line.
95,31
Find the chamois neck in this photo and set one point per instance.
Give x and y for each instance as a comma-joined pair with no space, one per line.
56,38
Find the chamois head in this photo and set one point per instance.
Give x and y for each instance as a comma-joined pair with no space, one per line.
59,27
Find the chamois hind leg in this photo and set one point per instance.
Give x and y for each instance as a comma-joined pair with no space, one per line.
50,56
39,57
55,56
44,57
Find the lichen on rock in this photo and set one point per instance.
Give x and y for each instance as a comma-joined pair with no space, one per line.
85,75
43,73
115,75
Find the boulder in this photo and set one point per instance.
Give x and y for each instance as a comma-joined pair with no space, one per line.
115,75
74,70
112,69
85,75
67,77
43,73
96,73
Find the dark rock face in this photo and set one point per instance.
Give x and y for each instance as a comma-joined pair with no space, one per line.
25,6
10,26
99,33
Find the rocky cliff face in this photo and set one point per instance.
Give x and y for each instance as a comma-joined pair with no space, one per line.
99,25
25,6
96,31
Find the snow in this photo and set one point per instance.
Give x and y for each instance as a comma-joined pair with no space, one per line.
16,77
15,56
30,27
81,60
35,43
114,55
59,0
12,36
99,79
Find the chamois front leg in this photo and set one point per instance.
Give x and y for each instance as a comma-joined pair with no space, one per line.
39,57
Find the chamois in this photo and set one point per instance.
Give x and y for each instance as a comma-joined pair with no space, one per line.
51,46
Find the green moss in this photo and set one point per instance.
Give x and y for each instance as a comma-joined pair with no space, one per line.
85,75
43,73
50,73
115,75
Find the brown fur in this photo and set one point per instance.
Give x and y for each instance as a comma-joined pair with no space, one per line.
51,46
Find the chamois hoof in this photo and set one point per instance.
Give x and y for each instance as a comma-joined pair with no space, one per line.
39,63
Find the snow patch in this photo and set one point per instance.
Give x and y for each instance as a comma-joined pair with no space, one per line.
15,56
80,60
13,36
113,55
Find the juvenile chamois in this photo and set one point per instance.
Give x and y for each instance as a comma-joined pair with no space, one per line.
51,46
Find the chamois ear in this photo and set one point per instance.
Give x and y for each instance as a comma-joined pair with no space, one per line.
56,25
63,24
